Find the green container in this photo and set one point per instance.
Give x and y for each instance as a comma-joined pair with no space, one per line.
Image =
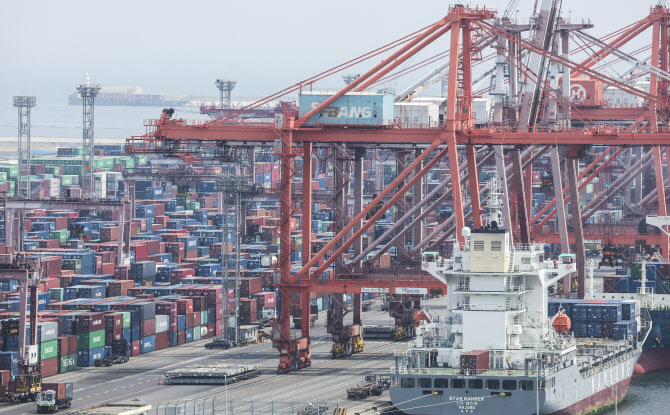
12,171
196,333
56,294
72,265
662,286
91,340
636,270
61,235
67,363
126,319
66,180
203,318
3,176
49,349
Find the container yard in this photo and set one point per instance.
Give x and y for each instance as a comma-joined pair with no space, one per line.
290,248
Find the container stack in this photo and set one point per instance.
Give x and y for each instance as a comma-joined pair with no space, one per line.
612,319
171,291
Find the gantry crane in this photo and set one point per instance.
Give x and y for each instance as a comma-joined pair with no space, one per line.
469,29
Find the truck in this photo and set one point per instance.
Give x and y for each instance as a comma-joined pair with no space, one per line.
54,397
120,354
111,360
374,385
25,387
267,317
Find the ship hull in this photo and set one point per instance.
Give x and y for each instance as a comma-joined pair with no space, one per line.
572,393
656,350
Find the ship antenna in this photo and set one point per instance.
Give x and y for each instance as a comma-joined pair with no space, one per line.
493,208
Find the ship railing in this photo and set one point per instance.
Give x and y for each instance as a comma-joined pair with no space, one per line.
439,371
492,307
490,288
588,368
529,247
440,344
489,269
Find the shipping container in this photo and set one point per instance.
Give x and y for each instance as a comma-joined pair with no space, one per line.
353,108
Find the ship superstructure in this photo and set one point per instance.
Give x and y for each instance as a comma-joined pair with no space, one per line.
496,351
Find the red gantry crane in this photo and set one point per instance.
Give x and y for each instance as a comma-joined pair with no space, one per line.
568,137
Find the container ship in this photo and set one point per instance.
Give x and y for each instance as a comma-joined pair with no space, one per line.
499,351
136,96
650,285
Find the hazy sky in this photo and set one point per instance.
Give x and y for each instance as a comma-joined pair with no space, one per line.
182,46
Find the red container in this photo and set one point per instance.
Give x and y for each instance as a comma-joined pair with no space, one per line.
475,361
210,330
162,340
249,285
185,306
109,234
67,345
108,268
265,299
148,327
120,288
174,323
610,283
122,272
113,321
50,283
111,335
135,348
49,367
586,92
141,251
181,337
89,322
218,326
190,320
166,308
199,303
5,377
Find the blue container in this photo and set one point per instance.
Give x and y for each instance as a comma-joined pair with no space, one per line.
136,333
9,285
623,284
14,374
636,286
190,242
148,344
201,216
181,322
207,270
108,351
9,360
611,312
143,269
127,334
628,311
207,187
624,329
595,329
189,335
88,357
211,315
170,206
203,251
147,309
173,339
135,317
